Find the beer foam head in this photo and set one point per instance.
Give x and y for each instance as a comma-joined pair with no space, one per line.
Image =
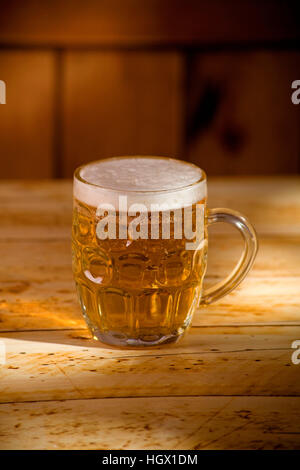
144,180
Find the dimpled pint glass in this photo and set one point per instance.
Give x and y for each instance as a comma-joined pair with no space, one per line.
139,244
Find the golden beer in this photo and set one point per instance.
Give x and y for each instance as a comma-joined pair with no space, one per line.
135,291
138,279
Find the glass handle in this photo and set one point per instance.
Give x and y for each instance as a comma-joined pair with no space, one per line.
243,266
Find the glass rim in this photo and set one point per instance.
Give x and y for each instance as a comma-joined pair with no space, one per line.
78,177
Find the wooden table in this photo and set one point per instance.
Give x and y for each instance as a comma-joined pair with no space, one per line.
229,384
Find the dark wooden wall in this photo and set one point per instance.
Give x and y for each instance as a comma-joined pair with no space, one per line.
207,81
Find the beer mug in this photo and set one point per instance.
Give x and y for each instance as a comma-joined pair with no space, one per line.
139,245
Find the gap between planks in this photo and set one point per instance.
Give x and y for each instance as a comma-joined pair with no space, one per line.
208,325
135,397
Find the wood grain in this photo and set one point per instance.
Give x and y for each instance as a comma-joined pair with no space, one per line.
42,210
69,365
37,287
120,103
36,210
27,118
56,306
146,423
131,22
229,384
208,81
240,116
270,203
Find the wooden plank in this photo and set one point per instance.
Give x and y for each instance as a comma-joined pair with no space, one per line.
131,22
275,258
43,209
136,104
240,116
37,288
54,365
34,262
27,118
36,210
142,423
54,305
256,300
271,203
70,365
